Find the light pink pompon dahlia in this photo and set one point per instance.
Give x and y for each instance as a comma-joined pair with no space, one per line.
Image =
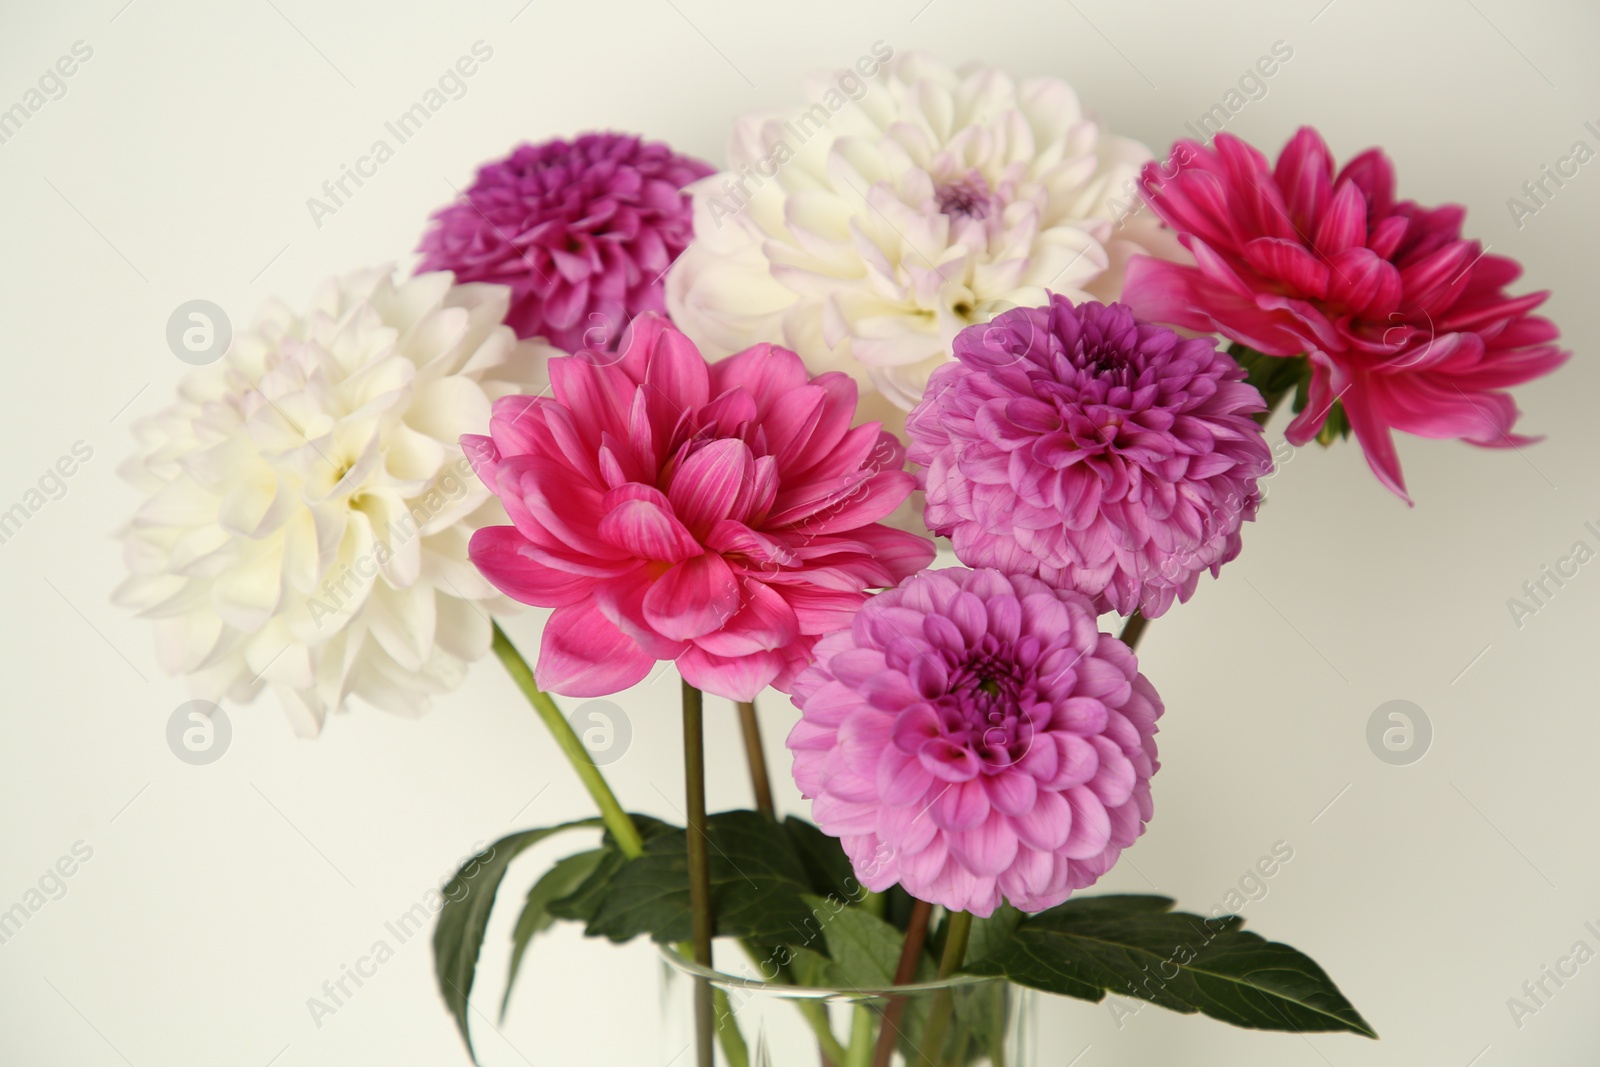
868,226
972,737
582,231
722,516
1097,452
1407,324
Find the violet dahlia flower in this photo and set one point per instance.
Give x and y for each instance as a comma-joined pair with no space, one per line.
582,231
973,736
1407,323
1097,452
723,516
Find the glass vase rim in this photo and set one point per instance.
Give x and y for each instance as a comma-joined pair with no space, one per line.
690,969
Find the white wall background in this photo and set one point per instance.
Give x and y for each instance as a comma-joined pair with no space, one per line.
218,899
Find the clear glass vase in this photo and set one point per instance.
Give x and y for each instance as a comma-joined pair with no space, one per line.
963,1021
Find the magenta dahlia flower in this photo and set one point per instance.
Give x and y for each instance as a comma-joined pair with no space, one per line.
582,231
973,736
1407,324
1097,452
722,516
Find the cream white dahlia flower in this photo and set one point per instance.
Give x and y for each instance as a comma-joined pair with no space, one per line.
309,505
868,229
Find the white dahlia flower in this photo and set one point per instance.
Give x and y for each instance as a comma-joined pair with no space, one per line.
309,505
869,229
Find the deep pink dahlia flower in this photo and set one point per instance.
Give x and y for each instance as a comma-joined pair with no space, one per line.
722,516
1407,323
1097,452
582,231
973,736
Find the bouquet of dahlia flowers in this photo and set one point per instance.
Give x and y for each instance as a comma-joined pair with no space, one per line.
716,421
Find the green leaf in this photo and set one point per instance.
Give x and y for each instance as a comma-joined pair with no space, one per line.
988,934
757,880
469,897
1273,376
865,949
864,953
824,860
583,901
1135,946
535,919
1337,426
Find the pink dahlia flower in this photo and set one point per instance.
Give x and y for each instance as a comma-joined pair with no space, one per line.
1407,323
973,736
1097,452
722,516
582,232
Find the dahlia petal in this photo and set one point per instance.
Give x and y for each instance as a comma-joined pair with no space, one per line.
961,806
1344,225
914,727
948,761
1047,825
648,532
820,611
621,601
1377,444
582,654
1416,405
1077,763
1364,283
866,502
765,623
705,487
1114,779
1027,882
675,370
1288,261
1091,827
499,552
693,598
1012,794
901,781
1305,174
732,677
1084,716
907,825
1373,174
767,372
918,869
1320,398
988,849
603,393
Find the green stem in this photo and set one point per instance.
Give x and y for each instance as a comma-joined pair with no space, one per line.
905,971
612,813
734,1049
1133,629
760,784
956,931
815,1013
694,771
860,1053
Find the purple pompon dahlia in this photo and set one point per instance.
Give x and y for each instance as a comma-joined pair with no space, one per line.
973,736
1095,451
582,231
